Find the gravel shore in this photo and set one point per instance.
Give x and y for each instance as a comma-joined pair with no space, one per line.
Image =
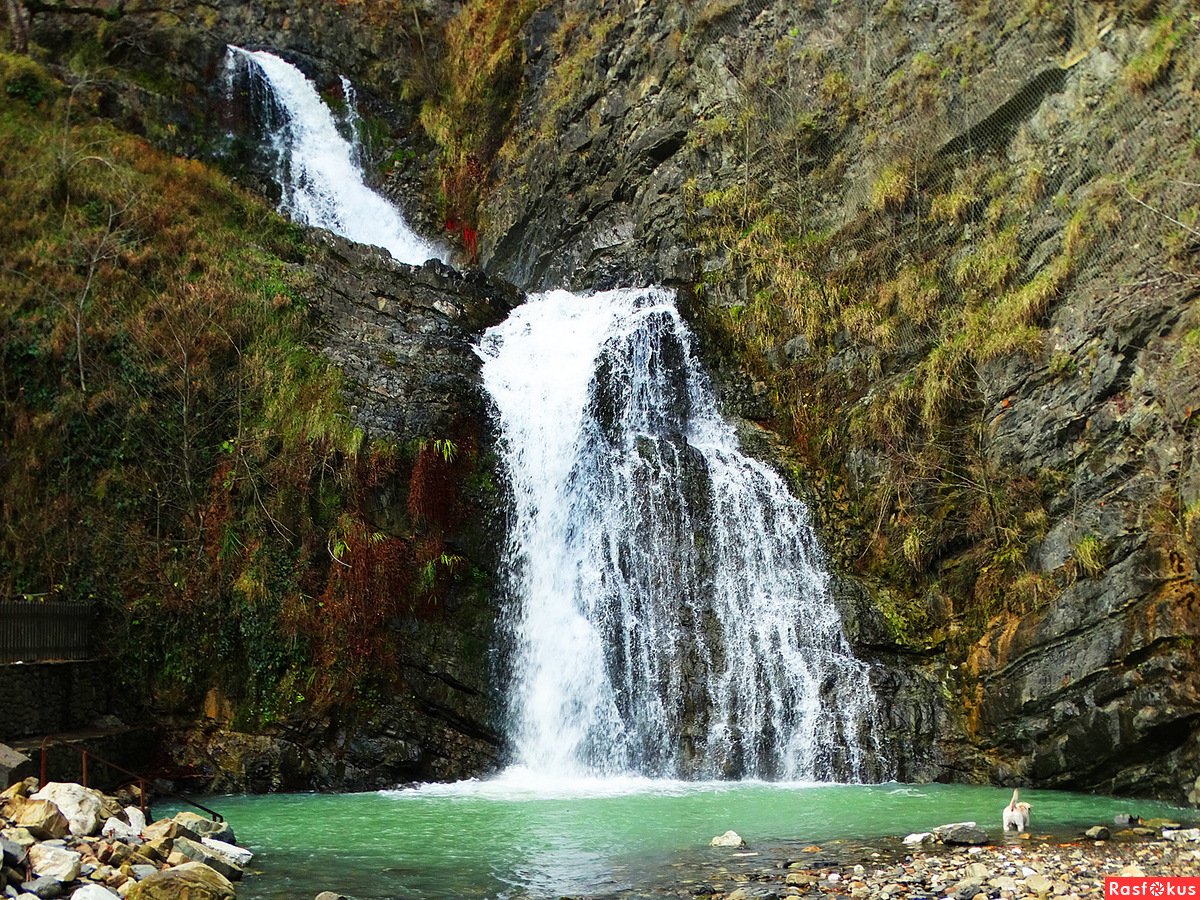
1039,866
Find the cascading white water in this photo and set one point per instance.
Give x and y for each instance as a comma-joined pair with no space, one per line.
671,613
317,168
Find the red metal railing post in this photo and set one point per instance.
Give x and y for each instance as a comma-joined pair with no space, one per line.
83,766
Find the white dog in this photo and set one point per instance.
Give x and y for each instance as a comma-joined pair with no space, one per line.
1016,815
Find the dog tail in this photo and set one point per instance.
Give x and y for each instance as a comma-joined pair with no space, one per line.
1012,804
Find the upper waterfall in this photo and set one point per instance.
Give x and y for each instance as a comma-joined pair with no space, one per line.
317,168
671,612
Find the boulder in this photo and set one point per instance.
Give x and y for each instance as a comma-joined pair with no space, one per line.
11,852
20,836
193,880
918,838
43,819
187,849
329,895
204,827
963,834
1182,835
728,839
1039,884
168,828
135,817
57,862
14,766
239,856
158,849
121,831
10,806
16,789
1097,833
82,806
93,892
45,887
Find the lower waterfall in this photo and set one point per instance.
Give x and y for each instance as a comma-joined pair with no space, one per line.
670,610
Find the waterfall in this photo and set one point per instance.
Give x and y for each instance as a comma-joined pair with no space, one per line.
316,167
670,611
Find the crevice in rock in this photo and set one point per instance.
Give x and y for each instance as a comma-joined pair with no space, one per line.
997,129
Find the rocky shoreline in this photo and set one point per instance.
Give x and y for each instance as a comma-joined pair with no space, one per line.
1071,867
67,840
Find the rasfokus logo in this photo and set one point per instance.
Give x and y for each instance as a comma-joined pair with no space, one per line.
1152,887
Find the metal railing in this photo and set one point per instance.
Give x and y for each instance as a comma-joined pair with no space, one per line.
44,630
87,755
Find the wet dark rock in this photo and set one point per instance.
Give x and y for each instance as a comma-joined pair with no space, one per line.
46,887
404,336
962,835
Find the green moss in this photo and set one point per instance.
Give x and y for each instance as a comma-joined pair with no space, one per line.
1166,34
1090,555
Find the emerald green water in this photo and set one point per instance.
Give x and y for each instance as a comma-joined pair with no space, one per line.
532,837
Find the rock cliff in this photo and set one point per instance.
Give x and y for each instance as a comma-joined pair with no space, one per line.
948,251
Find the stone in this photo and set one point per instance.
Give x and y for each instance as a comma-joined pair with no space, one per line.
728,839
1097,833
920,837
239,856
142,872
168,828
57,862
188,849
1161,823
44,887
1182,835
16,789
193,880
329,895
14,766
800,879
1038,883
21,836
121,831
80,805
43,819
204,827
158,849
11,853
93,892
963,834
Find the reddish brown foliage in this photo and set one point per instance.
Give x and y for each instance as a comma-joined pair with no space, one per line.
369,584
433,488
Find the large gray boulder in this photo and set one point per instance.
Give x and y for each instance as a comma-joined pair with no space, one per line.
14,766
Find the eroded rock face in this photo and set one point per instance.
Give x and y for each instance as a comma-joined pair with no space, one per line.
403,336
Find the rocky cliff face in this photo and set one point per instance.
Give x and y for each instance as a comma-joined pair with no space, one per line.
949,252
